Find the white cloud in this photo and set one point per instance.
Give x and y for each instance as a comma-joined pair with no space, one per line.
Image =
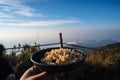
41,23
3,15
49,23
17,7
16,13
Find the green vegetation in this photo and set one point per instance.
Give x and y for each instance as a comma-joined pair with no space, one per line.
21,62
101,64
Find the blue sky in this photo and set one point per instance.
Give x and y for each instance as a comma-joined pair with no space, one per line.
42,20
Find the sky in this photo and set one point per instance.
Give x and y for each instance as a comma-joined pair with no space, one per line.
24,21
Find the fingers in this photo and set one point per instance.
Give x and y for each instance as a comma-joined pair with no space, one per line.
36,69
44,75
39,76
47,76
34,73
30,72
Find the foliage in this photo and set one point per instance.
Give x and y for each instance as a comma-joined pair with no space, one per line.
101,64
21,62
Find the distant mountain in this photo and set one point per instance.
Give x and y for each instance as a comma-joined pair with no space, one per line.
114,48
91,44
95,43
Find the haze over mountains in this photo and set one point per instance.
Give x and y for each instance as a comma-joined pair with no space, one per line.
96,43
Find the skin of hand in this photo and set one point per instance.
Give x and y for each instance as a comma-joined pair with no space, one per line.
32,74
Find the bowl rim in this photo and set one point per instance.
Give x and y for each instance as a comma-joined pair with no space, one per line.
43,64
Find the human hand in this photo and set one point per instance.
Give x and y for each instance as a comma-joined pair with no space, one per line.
32,74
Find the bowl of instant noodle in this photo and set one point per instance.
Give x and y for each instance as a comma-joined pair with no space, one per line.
58,59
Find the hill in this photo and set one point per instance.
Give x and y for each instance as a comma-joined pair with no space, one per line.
101,64
114,48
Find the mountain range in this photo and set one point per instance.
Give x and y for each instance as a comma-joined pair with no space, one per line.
95,43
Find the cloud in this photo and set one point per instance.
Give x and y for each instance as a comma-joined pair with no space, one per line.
49,23
18,8
18,13
2,15
41,23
